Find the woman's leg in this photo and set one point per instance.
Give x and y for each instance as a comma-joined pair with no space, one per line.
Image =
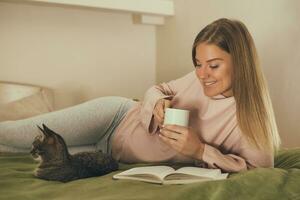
81,125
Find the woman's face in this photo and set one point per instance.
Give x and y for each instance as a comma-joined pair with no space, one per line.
214,70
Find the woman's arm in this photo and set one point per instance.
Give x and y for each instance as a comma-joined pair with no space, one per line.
242,156
250,159
161,91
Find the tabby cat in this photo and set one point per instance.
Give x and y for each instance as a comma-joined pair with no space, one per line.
58,165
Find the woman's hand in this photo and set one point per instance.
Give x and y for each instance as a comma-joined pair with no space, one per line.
182,139
159,111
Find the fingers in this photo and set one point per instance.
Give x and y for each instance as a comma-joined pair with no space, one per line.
167,140
158,119
167,104
176,128
170,134
159,110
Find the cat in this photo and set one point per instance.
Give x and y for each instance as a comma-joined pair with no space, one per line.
56,164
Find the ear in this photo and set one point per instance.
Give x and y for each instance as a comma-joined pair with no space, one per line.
44,131
50,140
48,130
40,128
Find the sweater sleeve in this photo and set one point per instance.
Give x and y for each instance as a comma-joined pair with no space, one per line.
243,156
157,92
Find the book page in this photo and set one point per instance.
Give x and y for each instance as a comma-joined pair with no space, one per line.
158,171
201,172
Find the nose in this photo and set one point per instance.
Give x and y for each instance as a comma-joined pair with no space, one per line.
202,72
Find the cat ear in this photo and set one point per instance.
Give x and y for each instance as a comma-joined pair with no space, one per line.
42,132
45,133
51,140
40,128
48,130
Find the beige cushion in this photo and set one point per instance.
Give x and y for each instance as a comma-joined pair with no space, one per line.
38,101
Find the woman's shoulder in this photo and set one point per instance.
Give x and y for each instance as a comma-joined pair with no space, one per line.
191,76
185,81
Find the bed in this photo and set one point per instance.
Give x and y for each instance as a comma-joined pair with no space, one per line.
17,180
282,182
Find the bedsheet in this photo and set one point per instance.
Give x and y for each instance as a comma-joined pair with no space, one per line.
282,182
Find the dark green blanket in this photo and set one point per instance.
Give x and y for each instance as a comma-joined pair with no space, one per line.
282,182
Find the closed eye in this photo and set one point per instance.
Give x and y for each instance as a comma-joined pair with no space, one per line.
214,66
197,65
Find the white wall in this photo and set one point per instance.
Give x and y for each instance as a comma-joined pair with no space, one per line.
86,53
275,27
80,53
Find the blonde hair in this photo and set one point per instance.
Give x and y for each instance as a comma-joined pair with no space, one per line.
254,109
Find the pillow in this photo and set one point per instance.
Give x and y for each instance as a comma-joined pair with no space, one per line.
29,106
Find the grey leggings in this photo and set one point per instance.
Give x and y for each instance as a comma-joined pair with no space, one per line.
87,126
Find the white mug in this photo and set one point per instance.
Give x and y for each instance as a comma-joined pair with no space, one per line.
177,116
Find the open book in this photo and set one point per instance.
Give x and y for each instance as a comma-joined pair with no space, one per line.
168,175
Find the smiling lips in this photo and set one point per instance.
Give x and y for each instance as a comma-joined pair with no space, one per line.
209,83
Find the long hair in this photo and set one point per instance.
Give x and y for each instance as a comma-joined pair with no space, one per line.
254,109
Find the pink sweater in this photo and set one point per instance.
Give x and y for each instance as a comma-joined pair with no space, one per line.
214,119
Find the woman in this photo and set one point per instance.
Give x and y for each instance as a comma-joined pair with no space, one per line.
232,125
227,67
